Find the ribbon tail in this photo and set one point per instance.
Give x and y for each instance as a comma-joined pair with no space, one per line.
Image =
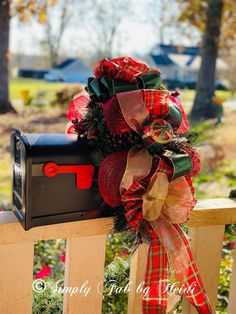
181,259
198,298
155,300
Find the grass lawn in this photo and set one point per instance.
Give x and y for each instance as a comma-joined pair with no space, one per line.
33,86
188,95
36,86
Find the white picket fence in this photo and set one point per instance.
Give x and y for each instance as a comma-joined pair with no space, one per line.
85,258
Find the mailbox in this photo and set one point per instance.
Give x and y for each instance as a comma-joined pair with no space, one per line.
54,179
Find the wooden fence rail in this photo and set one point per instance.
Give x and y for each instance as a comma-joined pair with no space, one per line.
85,258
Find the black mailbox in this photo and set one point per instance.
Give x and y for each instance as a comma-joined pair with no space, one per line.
54,179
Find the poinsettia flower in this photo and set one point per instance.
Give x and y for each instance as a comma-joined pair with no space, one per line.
44,272
63,258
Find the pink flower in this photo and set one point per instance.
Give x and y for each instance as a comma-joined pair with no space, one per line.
124,252
44,272
63,258
232,245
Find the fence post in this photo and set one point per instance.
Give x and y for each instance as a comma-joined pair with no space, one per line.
16,269
206,244
137,272
85,259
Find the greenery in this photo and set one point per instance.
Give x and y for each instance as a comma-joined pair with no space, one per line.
47,302
116,272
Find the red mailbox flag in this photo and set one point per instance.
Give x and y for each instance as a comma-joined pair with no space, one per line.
84,173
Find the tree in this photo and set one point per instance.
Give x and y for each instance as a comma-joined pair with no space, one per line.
54,37
5,105
216,19
203,106
24,9
102,20
162,16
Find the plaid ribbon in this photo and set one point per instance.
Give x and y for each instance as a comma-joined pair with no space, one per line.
199,298
162,105
157,263
156,279
121,75
124,68
157,102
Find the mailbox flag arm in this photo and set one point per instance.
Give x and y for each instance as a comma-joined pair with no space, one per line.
84,173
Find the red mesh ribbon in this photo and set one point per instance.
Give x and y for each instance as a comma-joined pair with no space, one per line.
115,120
195,157
110,174
78,108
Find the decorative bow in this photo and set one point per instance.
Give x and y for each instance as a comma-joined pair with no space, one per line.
160,199
154,203
153,179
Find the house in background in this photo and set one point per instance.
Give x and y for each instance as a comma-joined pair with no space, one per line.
32,73
180,65
28,66
71,70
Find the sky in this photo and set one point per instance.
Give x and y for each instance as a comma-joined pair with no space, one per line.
25,39
138,32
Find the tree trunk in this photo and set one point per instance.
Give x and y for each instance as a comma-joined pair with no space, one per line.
5,105
203,107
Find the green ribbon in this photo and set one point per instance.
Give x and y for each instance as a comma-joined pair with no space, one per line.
181,161
101,89
174,116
